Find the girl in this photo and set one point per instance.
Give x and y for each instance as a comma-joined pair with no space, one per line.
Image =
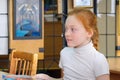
81,60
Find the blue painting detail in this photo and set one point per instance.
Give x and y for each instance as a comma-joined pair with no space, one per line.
26,28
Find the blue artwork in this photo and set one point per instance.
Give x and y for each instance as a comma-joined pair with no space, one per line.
27,21
27,28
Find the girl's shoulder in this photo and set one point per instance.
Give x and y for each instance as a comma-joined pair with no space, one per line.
67,49
100,57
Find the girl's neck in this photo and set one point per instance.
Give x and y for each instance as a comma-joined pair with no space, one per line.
87,42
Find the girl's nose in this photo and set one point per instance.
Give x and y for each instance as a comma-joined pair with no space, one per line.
67,33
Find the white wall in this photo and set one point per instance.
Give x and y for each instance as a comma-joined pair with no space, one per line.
3,27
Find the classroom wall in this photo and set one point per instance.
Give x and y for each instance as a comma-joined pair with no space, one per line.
106,17
118,25
3,27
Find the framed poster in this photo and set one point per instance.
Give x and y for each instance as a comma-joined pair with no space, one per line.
82,3
27,19
50,6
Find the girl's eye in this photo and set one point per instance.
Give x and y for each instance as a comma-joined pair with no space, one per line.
73,29
70,29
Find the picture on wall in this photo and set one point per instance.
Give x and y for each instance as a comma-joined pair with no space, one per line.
27,19
82,3
50,6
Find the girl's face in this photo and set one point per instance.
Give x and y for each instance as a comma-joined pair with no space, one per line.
75,33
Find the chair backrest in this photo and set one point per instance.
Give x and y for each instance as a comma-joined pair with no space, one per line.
23,63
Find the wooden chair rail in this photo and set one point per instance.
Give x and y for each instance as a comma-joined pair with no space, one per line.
23,63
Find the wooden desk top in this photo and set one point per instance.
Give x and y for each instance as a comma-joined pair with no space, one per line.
114,64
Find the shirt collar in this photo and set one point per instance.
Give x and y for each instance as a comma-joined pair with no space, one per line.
84,49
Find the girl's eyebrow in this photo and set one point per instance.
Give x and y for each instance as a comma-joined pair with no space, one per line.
70,25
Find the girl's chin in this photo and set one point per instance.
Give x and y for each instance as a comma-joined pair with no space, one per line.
70,45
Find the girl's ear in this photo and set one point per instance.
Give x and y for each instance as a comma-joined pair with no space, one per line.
90,33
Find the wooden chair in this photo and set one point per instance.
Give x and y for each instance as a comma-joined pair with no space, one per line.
23,63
